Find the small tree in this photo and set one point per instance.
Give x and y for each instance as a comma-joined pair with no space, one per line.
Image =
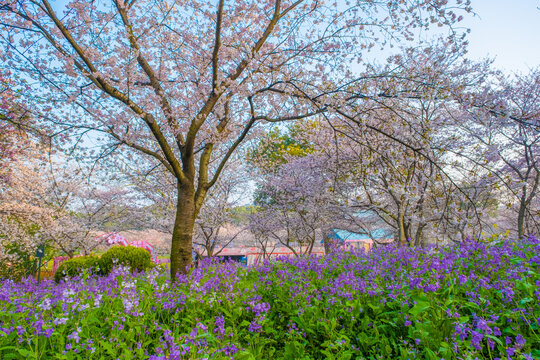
300,204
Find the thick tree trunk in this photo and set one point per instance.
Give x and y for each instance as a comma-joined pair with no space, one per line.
182,238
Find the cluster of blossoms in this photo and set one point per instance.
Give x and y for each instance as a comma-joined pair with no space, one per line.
474,300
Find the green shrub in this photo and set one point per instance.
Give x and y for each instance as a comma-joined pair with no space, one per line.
134,257
75,266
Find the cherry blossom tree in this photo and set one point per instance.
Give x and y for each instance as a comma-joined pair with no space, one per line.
21,216
298,203
408,157
304,199
28,217
503,121
188,82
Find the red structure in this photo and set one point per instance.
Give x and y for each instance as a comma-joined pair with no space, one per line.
253,256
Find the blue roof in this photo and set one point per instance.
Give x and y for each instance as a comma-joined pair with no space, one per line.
347,235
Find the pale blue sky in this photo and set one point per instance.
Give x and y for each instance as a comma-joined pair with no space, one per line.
508,30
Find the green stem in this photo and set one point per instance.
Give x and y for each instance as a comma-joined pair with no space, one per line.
489,350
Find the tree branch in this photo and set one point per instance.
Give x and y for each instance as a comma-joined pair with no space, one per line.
154,82
217,44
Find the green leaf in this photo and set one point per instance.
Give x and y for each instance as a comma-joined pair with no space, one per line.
244,355
420,307
430,354
24,352
347,355
525,301
496,339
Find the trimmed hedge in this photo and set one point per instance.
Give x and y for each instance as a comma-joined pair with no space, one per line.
74,267
134,257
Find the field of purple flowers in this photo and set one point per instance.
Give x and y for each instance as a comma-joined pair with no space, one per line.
472,301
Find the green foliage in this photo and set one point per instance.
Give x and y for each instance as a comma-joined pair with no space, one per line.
241,213
134,257
75,266
272,150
